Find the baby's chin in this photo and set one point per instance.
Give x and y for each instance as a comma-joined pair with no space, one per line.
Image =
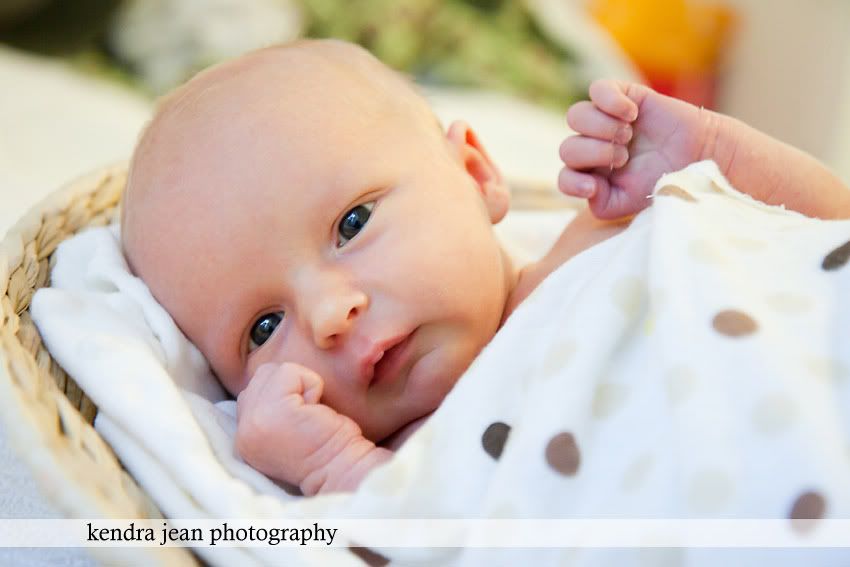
429,382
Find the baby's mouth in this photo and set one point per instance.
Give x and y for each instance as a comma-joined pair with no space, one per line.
389,366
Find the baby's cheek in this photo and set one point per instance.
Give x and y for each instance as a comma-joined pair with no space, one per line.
444,372
240,379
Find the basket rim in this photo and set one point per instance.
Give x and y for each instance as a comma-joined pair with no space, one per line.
42,426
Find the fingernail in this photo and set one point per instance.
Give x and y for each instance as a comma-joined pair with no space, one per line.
624,134
633,114
586,187
621,156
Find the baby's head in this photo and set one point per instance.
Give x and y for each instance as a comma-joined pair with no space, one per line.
302,204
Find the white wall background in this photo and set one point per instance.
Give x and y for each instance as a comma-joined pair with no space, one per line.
788,74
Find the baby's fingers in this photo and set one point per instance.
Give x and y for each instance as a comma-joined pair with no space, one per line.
580,152
610,97
287,382
587,120
611,202
577,183
312,384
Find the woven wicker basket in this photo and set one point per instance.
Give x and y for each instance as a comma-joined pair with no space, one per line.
46,416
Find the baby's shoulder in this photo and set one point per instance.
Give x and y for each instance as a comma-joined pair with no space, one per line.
582,233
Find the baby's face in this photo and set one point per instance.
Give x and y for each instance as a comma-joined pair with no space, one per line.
324,229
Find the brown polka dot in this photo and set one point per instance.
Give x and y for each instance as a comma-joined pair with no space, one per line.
675,191
734,323
608,398
807,509
562,454
494,438
710,490
837,258
371,558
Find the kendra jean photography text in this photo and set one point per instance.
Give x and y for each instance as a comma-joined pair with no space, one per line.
224,533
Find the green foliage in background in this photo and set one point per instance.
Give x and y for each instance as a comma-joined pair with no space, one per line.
492,44
59,27
483,43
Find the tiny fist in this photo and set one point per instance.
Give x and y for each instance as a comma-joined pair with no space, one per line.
313,386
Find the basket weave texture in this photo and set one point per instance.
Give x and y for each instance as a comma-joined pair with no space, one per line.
45,415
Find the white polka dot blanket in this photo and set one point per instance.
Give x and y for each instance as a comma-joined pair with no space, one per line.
694,366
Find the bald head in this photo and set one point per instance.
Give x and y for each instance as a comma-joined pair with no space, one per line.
249,198
305,85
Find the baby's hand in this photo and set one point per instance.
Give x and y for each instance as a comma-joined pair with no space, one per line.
283,431
628,136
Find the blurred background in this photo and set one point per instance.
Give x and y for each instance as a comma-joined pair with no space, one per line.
79,76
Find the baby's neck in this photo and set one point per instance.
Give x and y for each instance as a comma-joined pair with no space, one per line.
394,441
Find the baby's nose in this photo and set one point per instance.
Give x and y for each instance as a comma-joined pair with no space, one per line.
334,315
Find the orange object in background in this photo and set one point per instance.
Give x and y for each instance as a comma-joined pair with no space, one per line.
677,44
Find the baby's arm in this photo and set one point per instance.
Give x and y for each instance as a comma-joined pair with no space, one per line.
629,135
284,432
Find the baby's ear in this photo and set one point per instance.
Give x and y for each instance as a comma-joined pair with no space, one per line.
478,165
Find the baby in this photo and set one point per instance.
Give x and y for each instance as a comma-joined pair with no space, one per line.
329,247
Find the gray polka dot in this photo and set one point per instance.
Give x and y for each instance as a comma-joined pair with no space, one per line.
789,303
774,414
608,398
705,252
681,383
710,491
504,510
661,556
826,368
630,295
657,304
558,355
570,557
747,244
635,476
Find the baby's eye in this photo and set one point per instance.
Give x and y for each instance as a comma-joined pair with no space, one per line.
353,221
263,328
